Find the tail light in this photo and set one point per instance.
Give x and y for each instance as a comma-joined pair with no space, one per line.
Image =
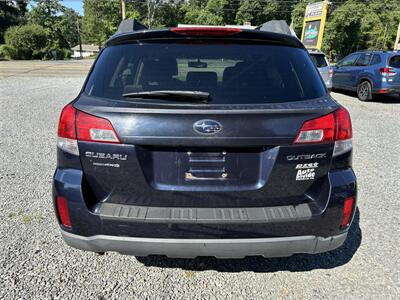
317,130
67,131
330,72
348,207
94,129
335,127
206,31
77,126
62,209
387,71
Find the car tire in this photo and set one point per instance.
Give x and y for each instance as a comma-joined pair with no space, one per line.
364,91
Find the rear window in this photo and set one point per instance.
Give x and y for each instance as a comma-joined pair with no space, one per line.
231,73
394,61
319,60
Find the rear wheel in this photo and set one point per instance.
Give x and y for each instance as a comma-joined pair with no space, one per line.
364,91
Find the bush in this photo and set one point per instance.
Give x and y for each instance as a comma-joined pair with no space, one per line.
7,52
67,53
57,53
26,40
93,56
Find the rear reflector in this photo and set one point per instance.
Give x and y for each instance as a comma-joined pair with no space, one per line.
206,31
342,147
68,145
347,212
383,91
62,208
75,125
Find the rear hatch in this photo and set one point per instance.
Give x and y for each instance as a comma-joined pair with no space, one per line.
234,149
394,64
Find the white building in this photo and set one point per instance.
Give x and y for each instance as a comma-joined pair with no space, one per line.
87,50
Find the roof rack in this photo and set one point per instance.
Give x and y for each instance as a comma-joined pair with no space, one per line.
130,25
372,50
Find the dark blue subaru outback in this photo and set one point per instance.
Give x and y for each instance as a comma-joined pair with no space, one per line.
204,141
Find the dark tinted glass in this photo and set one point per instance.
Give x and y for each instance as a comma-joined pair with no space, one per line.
231,73
376,59
319,60
364,59
394,61
348,61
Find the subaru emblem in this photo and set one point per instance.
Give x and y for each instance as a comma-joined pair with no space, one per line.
207,126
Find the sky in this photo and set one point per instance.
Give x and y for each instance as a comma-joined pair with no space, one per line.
77,5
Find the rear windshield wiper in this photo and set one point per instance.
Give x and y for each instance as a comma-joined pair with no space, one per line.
186,96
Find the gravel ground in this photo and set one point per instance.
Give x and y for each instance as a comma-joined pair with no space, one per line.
36,264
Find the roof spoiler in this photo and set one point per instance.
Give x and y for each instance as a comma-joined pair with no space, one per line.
130,25
277,26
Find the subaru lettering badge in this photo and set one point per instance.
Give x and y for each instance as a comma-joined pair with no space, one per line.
207,126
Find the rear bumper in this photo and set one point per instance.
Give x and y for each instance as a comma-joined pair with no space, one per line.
219,248
175,232
387,89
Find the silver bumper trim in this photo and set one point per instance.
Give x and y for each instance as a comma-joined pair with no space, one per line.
219,248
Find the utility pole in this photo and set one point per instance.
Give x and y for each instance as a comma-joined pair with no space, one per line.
79,38
396,43
123,9
384,38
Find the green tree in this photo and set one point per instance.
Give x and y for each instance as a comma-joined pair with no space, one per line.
298,17
46,13
191,10
343,31
156,13
357,24
101,19
379,24
59,21
169,14
260,11
151,9
27,41
211,12
11,13
67,26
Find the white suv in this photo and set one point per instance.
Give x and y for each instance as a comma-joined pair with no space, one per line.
323,66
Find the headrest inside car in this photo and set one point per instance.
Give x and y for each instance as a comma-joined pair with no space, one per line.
199,80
